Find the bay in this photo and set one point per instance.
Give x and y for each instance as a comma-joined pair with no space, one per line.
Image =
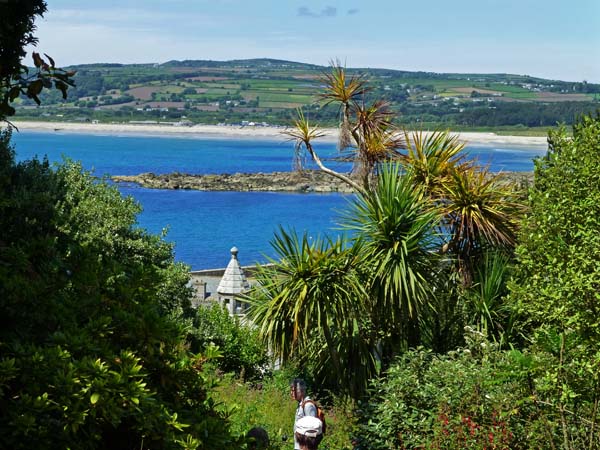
205,225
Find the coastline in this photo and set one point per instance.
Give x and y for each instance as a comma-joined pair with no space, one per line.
246,132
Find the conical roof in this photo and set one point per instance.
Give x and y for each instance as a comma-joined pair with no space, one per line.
234,280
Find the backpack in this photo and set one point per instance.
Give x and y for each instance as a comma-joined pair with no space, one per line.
320,414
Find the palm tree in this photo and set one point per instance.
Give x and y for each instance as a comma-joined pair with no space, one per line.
303,135
395,224
311,293
431,158
479,211
366,131
346,91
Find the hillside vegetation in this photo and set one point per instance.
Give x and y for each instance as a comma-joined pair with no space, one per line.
264,91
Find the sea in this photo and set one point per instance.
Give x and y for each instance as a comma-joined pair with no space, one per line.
203,225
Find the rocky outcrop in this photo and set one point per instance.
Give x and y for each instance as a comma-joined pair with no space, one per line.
306,181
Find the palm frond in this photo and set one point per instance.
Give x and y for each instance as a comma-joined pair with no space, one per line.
374,117
312,288
478,210
302,133
396,225
340,88
484,307
432,158
377,138
346,91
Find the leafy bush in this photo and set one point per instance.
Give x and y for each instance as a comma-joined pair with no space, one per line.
452,401
559,255
88,356
241,350
557,281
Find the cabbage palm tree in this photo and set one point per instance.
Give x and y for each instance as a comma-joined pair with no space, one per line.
345,91
395,224
311,293
366,130
431,158
478,211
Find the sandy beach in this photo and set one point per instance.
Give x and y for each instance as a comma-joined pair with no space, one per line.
246,132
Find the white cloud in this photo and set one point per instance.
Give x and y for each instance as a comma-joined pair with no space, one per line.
328,11
129,33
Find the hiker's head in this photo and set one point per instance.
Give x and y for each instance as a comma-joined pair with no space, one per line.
258,437
309,432
298,389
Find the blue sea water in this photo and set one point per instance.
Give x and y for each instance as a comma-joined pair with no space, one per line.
132,154
205,225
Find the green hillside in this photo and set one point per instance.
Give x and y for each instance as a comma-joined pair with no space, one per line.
268,91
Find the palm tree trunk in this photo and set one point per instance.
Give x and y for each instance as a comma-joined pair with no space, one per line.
335,357
333,173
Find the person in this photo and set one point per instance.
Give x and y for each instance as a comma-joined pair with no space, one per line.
305,407
259,438
309,433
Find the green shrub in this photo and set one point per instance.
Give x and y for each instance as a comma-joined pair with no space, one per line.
555,288
89,357
453,401
241,350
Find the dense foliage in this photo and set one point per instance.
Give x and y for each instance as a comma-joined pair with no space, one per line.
558,277
544,393
88,356
239,347
424,224
454,401
559,253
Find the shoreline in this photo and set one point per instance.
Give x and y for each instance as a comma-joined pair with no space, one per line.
246,132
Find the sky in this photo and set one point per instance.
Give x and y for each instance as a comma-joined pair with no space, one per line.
555,39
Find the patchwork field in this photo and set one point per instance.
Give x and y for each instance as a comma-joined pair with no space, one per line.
269,90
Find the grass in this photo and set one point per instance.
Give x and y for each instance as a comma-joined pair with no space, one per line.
513,91
284,105
220,91
268,405
295,98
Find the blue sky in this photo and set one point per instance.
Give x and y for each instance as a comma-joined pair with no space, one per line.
550,39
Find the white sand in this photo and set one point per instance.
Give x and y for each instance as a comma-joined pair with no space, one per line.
247,132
